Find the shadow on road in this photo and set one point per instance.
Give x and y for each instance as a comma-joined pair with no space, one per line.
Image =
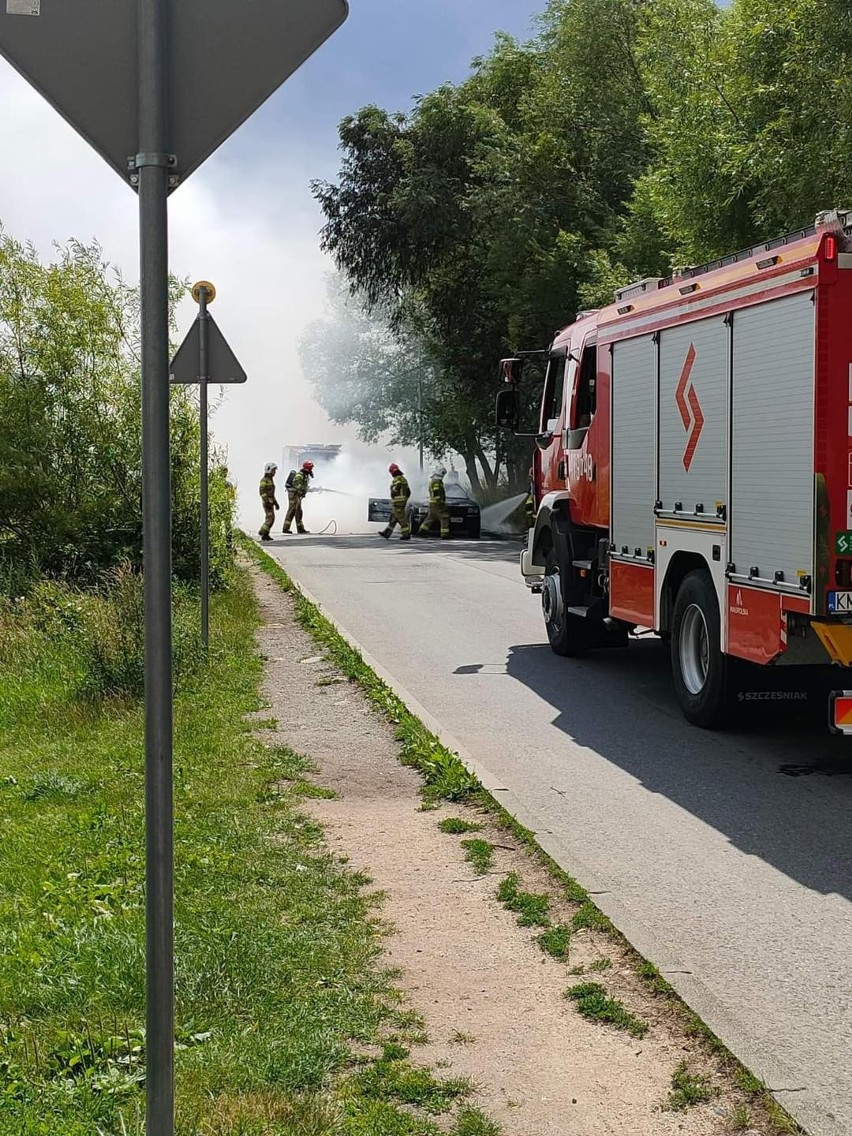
781,791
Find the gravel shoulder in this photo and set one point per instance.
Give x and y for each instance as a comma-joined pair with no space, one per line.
493,1001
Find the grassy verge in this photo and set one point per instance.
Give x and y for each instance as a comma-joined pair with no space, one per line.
446,778
278,982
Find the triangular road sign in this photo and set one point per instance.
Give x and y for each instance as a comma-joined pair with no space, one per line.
223,365
226,57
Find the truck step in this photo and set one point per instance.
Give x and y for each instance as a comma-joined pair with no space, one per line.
582,565
581,610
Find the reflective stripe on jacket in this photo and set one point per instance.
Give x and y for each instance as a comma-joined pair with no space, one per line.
437,492
400,488
267,491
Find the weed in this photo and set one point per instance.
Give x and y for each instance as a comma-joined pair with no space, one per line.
288,765
471,1122
689,1089
589,916
593,1002
330,680
480,854
600,964
457,1037
53,786
577,971
655,981
313,792
747,1081
740,1118
532,910
393,1080
556,941
455,826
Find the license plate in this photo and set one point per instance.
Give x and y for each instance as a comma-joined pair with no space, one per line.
839,602
460,521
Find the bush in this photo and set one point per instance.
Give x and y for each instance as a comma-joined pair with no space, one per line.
102,629
109,639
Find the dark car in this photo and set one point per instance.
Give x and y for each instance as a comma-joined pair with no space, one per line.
465,517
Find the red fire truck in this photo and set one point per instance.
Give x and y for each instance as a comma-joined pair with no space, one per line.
693,475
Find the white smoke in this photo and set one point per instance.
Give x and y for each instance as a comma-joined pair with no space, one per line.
341,490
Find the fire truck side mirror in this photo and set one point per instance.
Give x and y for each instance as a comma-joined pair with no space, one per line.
508,409
510,371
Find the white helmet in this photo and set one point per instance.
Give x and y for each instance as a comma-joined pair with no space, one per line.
440,471
270,467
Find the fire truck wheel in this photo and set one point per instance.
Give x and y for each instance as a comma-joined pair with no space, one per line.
698,665
568,633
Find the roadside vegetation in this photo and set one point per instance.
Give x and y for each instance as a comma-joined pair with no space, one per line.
280,989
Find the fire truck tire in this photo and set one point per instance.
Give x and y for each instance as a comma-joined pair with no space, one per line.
569,634
698,664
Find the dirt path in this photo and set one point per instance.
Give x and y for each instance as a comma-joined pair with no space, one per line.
494,1003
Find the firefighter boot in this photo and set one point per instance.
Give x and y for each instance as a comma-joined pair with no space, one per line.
385,533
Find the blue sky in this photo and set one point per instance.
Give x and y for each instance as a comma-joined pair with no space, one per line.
246,220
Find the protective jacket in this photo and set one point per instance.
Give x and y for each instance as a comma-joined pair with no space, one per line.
437,492
400,490
267,493
300,483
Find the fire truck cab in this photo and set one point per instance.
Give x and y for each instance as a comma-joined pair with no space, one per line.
693,475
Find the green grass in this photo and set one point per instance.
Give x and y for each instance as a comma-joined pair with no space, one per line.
599,965
455,826
277,945
532,910
479,853
471,1122
587,915
593,1002
689,1089
556,941
445,776
654,980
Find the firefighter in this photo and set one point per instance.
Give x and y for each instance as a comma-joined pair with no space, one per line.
399,494
438,510
268,499
296,492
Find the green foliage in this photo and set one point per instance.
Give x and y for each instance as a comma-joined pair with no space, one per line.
479,853
556,941
455,826
70,449
532,910
626,137
593,1002
689,1089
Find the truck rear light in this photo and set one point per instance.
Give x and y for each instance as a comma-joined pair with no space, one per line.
840,712
843,573
830,248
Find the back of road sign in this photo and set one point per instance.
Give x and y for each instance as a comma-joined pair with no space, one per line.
222,365
226,57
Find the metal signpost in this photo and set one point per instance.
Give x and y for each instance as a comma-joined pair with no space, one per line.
204,357
155,86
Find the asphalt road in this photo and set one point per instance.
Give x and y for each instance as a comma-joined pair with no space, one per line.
725,858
